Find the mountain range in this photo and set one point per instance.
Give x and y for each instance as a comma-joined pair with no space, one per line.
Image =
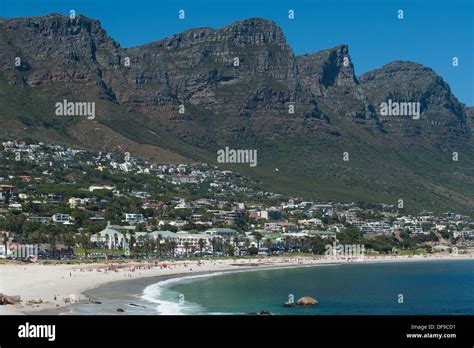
182,98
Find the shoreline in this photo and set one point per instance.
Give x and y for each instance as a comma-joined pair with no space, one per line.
147,281
60,286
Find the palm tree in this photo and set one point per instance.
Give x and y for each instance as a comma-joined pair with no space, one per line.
84,242
158,245
247,244
166,247
186,247
258,237
131,240
287,242
229,248
193,249
201,244
172,245
268,244
141,243
236,243
68,240
214,243
305,243
5,241
149,245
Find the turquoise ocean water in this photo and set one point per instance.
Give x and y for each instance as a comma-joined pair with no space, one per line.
432,287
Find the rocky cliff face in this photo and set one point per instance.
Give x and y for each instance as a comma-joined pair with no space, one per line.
469,110
442,116
329,75
238,85
53,48
243,70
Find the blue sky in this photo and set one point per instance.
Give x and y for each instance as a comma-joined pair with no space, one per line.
431,33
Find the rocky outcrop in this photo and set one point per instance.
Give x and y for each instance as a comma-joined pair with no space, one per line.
322,70
53,48
9,300
442,116
469,110
240,71
307,301
329,75
238,85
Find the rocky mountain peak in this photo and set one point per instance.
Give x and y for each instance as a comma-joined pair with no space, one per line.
442,117
239,85
323,69
398,68
329,75
409,81
254,31
243,69
53,48
205,67
247,32
54,26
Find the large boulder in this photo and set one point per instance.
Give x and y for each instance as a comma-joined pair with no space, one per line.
307,301
5,299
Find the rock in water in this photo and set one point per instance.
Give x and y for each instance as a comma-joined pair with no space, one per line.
5,300
307,301
289,304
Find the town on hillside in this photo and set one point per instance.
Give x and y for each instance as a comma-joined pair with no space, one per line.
63,203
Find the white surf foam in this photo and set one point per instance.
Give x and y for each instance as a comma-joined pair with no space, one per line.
167,300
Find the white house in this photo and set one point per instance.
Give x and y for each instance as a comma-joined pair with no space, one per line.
222,232
111,237
62,218
192,239
134,217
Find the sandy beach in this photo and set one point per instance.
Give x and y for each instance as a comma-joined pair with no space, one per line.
46,287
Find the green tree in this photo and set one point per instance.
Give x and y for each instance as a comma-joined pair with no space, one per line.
247,245
215,245
236,243
83,239
350,235
159,246
258,238
229,248
201,244
5,241
186,247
